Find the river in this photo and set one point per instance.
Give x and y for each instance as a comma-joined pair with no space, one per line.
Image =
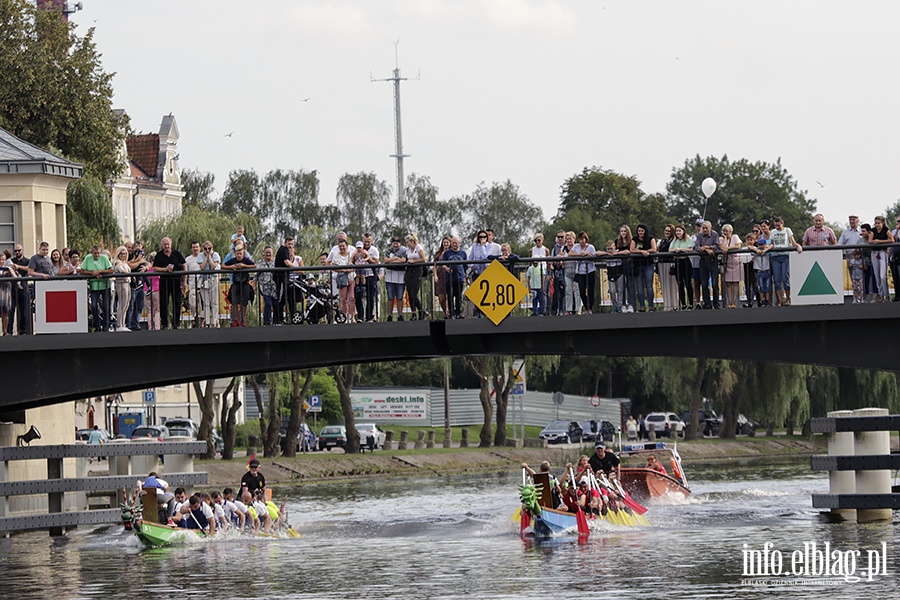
451,537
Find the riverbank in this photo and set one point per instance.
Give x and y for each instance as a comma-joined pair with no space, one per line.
324,466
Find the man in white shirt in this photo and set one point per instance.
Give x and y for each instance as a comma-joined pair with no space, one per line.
192,263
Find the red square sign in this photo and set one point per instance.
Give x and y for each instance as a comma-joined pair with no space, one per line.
62,307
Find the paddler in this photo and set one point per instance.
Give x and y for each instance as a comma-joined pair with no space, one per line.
197,515
555,490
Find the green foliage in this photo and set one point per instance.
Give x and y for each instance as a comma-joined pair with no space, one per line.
503,208
424,214
599,201
89,216
53,90
891,213
746,192
421,373
198,188
195,224
363,202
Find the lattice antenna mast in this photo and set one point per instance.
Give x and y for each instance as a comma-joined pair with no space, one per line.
398,131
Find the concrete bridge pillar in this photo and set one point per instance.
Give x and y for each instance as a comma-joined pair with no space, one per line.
120,465
868,443
403,436
179,463
842,482
420,440
142,465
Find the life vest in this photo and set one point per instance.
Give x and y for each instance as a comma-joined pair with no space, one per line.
272,510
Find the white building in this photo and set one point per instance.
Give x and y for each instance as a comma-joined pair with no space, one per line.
149,187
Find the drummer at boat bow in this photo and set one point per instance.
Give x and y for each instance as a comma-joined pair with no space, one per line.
604,460
198,515
253,480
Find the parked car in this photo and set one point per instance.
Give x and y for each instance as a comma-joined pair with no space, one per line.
160,432
332,436
82,435
190,428
664,423
182,423
306,440
591,428
371,436
562,432
708,423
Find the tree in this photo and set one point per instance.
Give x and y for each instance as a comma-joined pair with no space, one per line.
289,202
746,192
424,214
54,92
204,394
599,200
363,201
343,377
199,189
891,212
228,421
297,414
483,368
194,223
89,215
503,208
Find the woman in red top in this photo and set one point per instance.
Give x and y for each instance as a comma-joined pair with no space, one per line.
654,464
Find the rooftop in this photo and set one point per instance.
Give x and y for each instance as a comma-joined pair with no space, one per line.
19,156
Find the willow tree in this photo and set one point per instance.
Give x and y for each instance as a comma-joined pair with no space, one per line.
194,224
89,216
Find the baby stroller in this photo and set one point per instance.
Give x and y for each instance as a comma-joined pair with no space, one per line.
320,303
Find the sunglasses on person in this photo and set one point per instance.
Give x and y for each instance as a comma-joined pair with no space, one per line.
482,237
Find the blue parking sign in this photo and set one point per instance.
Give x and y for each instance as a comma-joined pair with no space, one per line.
315,403
149,396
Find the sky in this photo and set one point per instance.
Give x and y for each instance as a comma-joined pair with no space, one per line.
527,90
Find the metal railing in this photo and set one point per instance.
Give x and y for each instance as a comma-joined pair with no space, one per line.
313,294
56,485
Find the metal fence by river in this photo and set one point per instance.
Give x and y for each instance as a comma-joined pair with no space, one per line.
450,537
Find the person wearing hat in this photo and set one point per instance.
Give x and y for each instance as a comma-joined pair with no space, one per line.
604,460
253,480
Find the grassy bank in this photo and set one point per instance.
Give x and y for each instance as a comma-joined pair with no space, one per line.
324,466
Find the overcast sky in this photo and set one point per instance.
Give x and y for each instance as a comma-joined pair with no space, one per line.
527,90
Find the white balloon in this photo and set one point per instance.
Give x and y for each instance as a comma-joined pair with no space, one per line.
708,186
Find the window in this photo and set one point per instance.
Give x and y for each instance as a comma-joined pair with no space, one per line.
7,226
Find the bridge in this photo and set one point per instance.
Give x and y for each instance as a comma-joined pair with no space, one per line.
48,369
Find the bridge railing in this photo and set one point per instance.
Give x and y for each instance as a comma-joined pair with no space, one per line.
66,498
316,294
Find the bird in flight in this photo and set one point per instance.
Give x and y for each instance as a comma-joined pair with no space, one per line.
820,184
305,99
229,134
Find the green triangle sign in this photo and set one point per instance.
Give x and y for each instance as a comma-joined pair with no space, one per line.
816,283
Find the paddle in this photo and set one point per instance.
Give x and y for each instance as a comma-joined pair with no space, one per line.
525,518
194,517
290,530
580,519
626,499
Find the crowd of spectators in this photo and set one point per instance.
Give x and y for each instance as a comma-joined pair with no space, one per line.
702,269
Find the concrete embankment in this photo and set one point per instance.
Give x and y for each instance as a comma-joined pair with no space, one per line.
323,466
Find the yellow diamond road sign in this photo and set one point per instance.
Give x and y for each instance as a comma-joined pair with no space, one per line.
496,292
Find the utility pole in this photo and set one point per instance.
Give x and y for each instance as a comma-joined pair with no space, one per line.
398,133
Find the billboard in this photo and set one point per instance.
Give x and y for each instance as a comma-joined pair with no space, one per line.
388,405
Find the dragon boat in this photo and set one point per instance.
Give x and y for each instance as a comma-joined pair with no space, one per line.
538,518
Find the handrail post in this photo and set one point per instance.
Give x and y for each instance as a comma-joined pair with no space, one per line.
55,499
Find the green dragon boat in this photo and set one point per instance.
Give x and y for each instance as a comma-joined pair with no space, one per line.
158,536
